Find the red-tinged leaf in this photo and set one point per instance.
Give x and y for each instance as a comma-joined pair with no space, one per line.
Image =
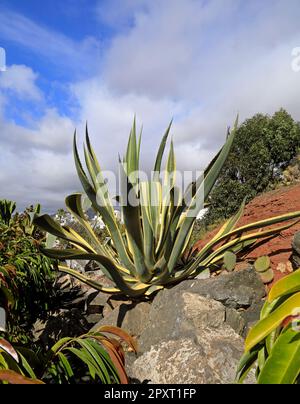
121,334
7,347
116,360
12,377
116,343
118,348
117,357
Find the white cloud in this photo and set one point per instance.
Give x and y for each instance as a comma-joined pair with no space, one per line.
21,80
119,14
164,52
36,162
214,59
37,176
51,132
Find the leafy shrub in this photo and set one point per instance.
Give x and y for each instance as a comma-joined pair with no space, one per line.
26,275
264,146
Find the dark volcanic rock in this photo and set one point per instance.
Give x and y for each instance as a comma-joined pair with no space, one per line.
235,290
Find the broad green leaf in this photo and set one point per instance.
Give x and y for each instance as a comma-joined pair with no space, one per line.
148,236
88,359
283,364
288,284
264,327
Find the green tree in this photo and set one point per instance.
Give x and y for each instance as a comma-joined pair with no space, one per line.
264,147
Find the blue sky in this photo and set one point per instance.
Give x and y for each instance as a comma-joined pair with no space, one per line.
199,61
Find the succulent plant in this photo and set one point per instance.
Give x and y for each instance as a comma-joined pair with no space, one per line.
146,252
263,266
267,276
229,261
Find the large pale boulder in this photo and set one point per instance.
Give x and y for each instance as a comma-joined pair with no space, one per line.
187,341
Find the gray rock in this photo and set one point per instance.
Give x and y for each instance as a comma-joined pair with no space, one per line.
93,318
114,302
212,359
190,333
295,258
296,243
236,290
98,302
72,292
179,314
129,316
105,303
187,340
251,316
235,320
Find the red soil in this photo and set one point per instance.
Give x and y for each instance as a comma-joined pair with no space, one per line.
278,202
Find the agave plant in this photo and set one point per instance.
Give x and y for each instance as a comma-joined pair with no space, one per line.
273,344
146,251
98,356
